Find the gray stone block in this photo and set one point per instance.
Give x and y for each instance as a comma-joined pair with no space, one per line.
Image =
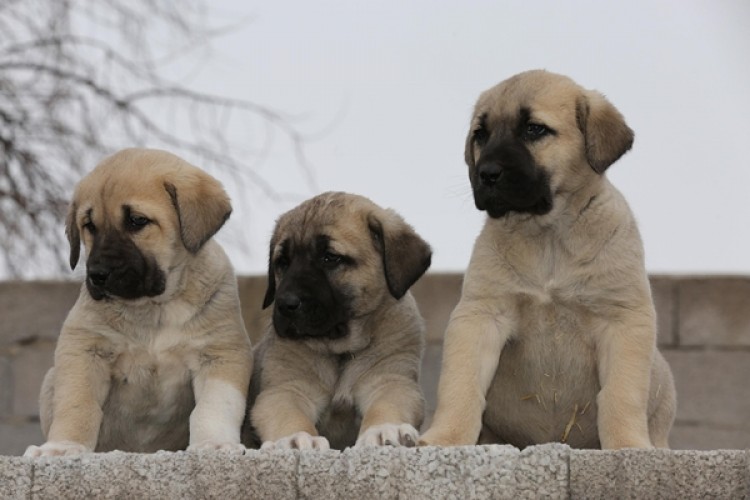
16,436
28,368
462,472
166,475
34,309
663,292
437,294
712,387
6,388
16,478
714,311
547,471
685,436
658,474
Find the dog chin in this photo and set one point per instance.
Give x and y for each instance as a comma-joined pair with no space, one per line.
95,292
294,332
134,298
354,341
498,210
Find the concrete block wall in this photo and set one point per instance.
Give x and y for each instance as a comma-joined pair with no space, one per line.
704,332
498,472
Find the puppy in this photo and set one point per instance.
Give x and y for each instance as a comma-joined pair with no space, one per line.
154,354
554,337
340,364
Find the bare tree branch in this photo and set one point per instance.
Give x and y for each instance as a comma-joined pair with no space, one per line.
69,95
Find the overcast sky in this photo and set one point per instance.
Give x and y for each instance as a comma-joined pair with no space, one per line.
386,89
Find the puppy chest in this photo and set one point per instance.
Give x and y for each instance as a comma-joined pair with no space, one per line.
153,375
553,341
546,383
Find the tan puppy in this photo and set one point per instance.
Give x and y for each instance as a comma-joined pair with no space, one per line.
154,354
340,364
554,338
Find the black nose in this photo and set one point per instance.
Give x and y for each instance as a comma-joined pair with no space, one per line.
98,276
288,304
490,173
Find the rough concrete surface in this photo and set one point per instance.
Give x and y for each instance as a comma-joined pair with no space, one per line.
546,471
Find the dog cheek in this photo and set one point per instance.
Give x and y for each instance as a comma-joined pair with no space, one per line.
366,296
157,279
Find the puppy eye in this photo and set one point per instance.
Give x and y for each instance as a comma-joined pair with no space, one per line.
331,259
535,131
90,227
137,222
281,264
480,136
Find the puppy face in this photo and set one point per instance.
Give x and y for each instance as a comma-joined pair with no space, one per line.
335,259
537,137
140,214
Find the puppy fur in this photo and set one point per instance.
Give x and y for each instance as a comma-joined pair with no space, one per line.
340,364
154,354
554,337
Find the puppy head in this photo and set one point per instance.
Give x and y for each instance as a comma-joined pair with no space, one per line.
336,258
538,136
140,214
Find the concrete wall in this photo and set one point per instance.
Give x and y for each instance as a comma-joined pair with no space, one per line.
498,472
704,332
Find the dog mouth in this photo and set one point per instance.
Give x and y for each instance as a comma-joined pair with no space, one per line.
514,193
125,289
299,332
497,208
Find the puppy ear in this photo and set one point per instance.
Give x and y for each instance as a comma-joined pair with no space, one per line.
74,237
607,135
271,289
469,147
202,206
405,255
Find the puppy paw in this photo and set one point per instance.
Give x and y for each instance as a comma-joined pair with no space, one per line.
56,449
299,441
388,435
221,446
435,437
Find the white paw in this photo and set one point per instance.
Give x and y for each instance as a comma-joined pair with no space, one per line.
222,446
388,435
56,449
299,441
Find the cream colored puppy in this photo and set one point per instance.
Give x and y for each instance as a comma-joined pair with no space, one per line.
154,354
340,365
554,338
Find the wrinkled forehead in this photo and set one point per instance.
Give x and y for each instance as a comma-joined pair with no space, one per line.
542,97
323,224
109,192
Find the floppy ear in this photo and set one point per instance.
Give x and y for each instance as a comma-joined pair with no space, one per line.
469,147
405,255
271,289
607,135
74,237
202,207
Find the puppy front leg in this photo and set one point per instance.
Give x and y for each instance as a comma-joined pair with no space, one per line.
625,355
391,412
220,389
285,415
81,384
473,342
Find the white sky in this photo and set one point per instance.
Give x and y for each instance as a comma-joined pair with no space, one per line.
388,88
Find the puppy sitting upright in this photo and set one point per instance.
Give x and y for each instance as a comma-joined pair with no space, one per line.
341,362
554,338
154,354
